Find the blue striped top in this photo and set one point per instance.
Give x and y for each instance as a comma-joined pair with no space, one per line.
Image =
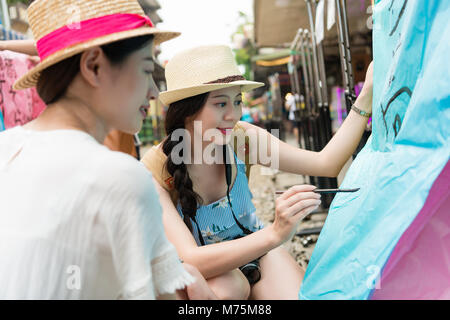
216,221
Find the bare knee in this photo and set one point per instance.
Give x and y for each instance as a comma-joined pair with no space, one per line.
232,285
281,277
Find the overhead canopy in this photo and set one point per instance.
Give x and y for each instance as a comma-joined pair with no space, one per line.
277,21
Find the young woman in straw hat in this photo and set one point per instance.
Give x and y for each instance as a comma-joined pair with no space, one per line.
208,213
79,221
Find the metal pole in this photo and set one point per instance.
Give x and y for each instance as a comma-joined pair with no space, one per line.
295,41
294,53
291,76
310,72
341,45
300,46
344,51
314,118
326,108
349,56
321,122
300,112
320,59
306,123
315,96
297,87
325,113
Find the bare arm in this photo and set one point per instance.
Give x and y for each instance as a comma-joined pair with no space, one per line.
20,46
199,290
216,259
333,156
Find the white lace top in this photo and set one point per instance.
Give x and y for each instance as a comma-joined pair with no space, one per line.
78,221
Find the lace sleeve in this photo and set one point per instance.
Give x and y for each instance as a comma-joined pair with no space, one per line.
168,272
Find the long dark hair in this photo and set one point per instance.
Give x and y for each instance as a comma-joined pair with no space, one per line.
54,81
176,116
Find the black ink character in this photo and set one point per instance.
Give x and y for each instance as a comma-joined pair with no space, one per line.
400,15
397,123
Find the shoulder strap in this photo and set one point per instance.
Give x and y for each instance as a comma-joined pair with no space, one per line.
154,160
241,147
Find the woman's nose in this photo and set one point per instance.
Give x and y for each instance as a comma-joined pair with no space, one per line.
231,114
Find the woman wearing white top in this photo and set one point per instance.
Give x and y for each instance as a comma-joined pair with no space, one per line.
78,221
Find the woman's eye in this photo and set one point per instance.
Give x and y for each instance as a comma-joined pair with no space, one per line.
149,72
238,103
222,105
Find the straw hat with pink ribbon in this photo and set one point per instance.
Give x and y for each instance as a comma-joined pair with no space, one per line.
64,28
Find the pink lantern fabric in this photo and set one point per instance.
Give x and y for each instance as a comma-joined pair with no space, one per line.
419,266
17,107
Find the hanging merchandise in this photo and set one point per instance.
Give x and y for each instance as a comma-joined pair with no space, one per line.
391,239
345,55
321,121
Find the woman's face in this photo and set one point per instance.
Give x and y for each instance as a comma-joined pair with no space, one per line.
221,112
129,91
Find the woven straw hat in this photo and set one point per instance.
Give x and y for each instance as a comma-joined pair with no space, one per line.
200,70
47,17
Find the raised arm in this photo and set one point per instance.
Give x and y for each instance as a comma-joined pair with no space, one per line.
333,156
20,46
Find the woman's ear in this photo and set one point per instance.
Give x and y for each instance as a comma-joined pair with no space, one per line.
92,60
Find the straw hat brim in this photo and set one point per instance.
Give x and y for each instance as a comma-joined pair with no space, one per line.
31,78
168,97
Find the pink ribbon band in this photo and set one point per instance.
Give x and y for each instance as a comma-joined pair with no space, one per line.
86,30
